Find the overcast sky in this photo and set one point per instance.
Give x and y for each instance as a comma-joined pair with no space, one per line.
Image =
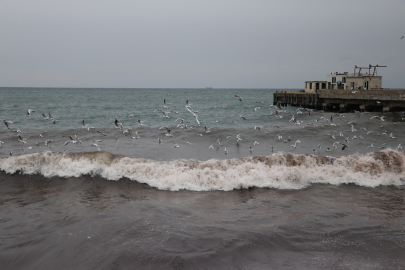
197,43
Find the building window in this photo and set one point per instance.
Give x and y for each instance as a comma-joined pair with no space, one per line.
310,85
333,79
352,85
343,79
366,85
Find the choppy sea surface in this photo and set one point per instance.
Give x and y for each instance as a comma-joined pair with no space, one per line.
196,179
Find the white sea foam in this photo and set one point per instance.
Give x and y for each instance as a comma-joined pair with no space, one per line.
281,170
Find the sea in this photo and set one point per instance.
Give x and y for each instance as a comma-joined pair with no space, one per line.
196,179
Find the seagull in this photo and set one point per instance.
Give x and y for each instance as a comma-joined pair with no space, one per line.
292,118
54,120
140,122
1,142
165,115
164,102
117,124
159,140
392,136
29,112
66,143
370,146
211,147
238,97
241,116
402,37
21,140
399,146
207,130
7,123
226,151
255,143
86,126
101,133
196,119
383,146
27,148
168,133
295,144
334,144
344,146
45,117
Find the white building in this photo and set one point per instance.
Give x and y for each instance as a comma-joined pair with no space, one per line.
336,80
348,81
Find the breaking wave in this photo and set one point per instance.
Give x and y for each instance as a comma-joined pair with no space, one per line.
281,170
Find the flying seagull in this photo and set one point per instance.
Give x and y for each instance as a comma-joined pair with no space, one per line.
29,112
7,123
117,124
344,146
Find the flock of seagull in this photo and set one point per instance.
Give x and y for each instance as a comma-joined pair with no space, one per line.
277,112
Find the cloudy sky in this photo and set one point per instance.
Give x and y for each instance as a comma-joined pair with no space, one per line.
197,43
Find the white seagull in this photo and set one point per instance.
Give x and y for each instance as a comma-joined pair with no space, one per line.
29,112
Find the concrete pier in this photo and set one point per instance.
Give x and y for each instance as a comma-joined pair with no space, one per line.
345,100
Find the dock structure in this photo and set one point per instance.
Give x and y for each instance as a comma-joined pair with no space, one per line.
344,100
345,92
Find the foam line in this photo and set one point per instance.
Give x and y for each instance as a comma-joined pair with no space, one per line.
281,170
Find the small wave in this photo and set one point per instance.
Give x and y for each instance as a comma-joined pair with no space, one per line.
281,170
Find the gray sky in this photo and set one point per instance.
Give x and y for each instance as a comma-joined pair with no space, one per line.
197,43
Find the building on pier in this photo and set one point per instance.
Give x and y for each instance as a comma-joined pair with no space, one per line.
314,86
357,80
357,91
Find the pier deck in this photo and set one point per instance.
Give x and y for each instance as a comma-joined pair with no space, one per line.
344,100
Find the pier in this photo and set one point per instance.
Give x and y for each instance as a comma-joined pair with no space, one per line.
344,100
